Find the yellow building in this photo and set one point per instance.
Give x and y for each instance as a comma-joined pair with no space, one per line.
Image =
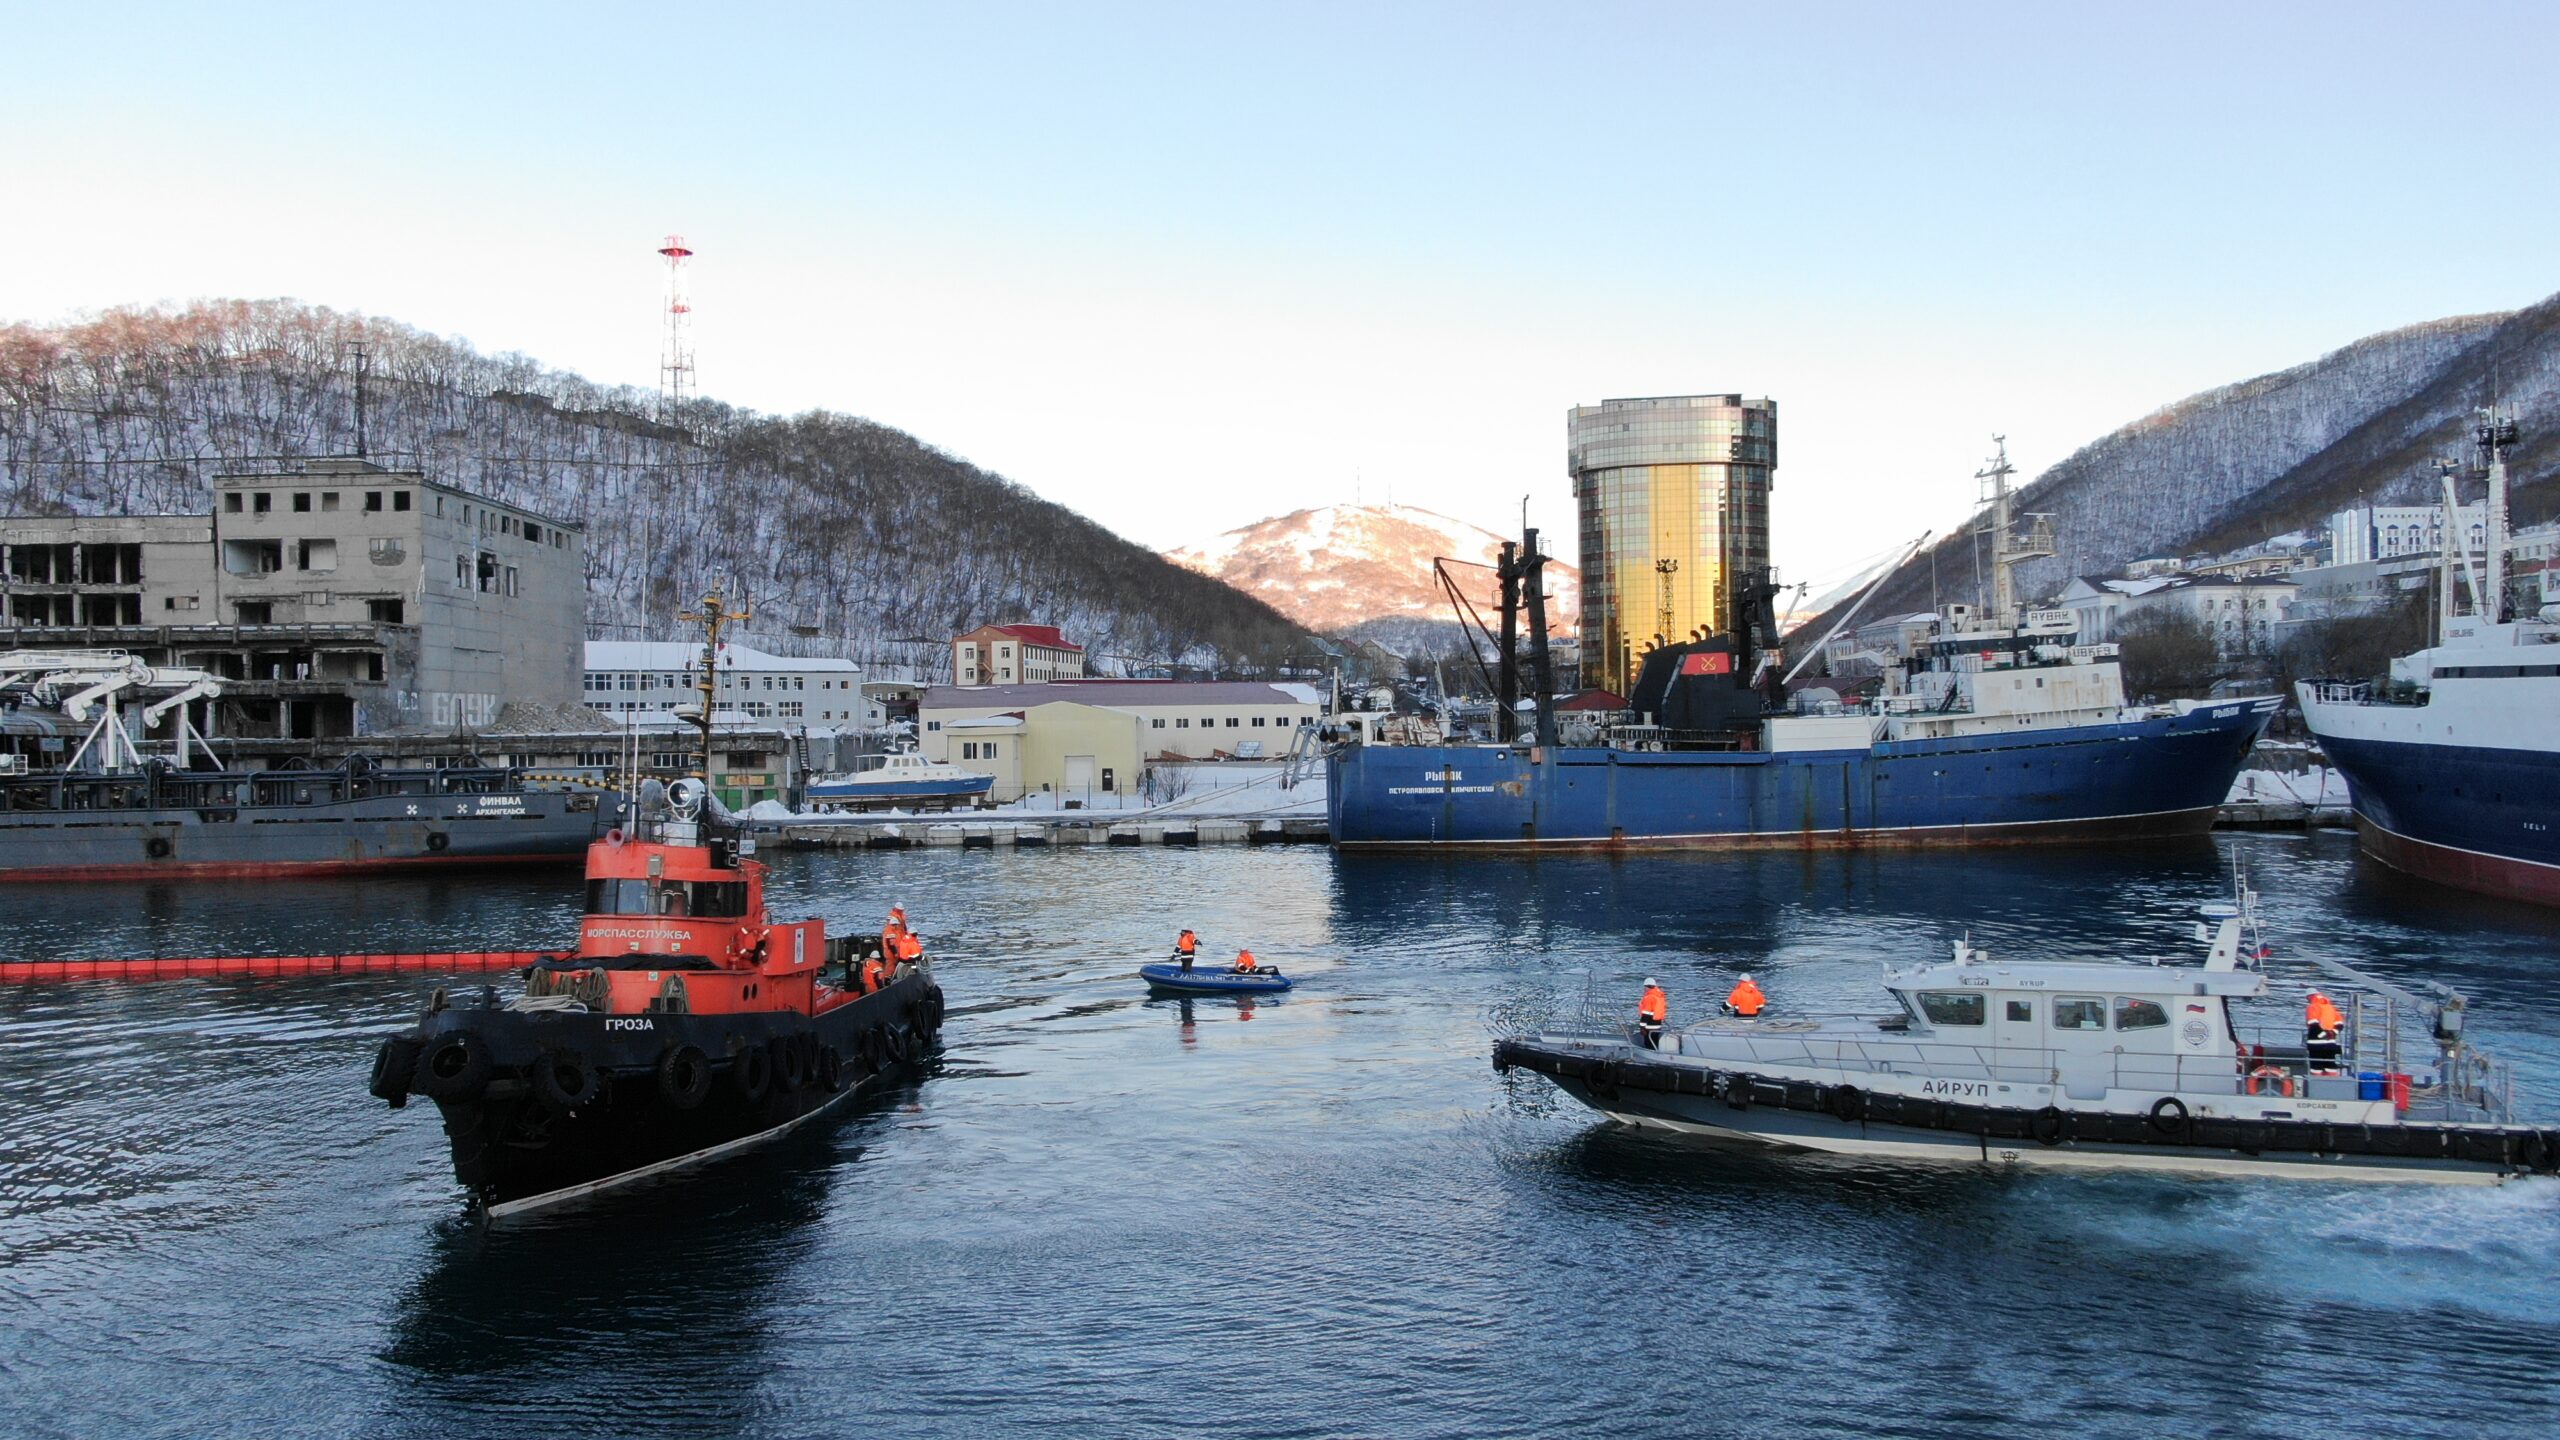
1076,752
1673,495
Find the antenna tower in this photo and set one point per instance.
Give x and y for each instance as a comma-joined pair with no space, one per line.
675,361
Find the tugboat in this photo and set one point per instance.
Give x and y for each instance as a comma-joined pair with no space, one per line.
2094,1065
686,1025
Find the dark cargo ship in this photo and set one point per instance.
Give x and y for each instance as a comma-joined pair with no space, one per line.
159,822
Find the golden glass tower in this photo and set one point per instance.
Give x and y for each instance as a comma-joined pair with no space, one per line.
1673,493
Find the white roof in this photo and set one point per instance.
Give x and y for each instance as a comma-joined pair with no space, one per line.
679,655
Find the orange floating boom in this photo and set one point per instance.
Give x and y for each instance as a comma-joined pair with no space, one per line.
261,966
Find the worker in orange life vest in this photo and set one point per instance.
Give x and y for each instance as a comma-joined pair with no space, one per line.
1186,948
1746,1000
1653,1011
2323,1028
1245,963
896,922
910,950
875,973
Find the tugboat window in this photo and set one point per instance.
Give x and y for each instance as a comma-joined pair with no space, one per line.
2077,1013
2139,1014
1951,1008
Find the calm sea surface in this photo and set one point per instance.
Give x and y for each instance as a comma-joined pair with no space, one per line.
1320,1215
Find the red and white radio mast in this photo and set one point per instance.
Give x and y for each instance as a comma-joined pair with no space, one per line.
675,363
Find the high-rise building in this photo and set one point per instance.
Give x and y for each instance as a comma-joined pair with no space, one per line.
1673,493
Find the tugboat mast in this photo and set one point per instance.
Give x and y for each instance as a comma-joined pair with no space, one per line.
713,614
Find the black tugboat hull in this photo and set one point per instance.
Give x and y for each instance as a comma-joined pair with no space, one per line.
542,1107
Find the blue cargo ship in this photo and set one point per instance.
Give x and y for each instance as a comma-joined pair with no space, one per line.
1996,728
2453,767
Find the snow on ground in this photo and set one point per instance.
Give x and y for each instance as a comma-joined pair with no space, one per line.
2318,785
1237,790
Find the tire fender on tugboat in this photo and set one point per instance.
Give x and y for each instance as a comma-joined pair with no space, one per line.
394,1066
684,1076
751,1073
455,1066
563,1080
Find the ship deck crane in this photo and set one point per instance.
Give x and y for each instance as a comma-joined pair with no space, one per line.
80,680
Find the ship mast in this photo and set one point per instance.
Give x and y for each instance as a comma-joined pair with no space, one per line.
2007,546
713,614
2495,432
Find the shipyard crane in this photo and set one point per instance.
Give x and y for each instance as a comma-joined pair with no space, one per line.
80,680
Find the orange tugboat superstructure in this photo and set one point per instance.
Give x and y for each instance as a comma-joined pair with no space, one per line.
686,1023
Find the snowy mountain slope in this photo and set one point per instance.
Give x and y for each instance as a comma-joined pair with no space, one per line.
1337,566
848,537
2248,460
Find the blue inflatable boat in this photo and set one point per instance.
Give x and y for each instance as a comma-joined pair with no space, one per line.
1212,980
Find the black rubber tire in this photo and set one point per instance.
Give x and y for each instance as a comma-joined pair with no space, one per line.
563,1081
437,840
751,1073
394,1065
684,1076
2046,1126
866,1048
1737,1091
454,1067
1846,1104
789,1073
2169,1118
893,1045
831,1071
158,847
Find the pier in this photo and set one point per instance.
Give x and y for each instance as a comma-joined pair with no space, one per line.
863,833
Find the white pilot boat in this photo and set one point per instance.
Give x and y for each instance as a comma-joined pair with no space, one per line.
2113,1065
898,779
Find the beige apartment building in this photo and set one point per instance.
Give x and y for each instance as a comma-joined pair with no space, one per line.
1014,655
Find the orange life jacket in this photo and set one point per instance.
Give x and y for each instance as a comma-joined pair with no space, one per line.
1746,999
1244,959
1655,1006
874,971
1189,944
2323,1013
909,947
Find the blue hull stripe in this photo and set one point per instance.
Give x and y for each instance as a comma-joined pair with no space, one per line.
2161,775
913,790
2499,804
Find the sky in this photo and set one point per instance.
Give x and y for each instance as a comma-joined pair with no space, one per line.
1182,267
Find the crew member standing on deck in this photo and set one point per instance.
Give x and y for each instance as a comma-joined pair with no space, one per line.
910,950
1746,1000
1652,1013
1186,948
2322,1029
875,972
896,923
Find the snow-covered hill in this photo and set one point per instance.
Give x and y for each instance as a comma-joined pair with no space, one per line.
848,537
1338,566
2280,452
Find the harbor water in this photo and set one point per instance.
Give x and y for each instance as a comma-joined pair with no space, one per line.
1318,1214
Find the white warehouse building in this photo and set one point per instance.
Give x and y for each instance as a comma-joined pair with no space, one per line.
641,676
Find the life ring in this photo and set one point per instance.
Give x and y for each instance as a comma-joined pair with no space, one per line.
2274,1075
454,1067
158,847
751,1073
2169,1117
684,1076
437,840
563,1080
1846,1103
393,1066
790,1072
831,1070
2046,1126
